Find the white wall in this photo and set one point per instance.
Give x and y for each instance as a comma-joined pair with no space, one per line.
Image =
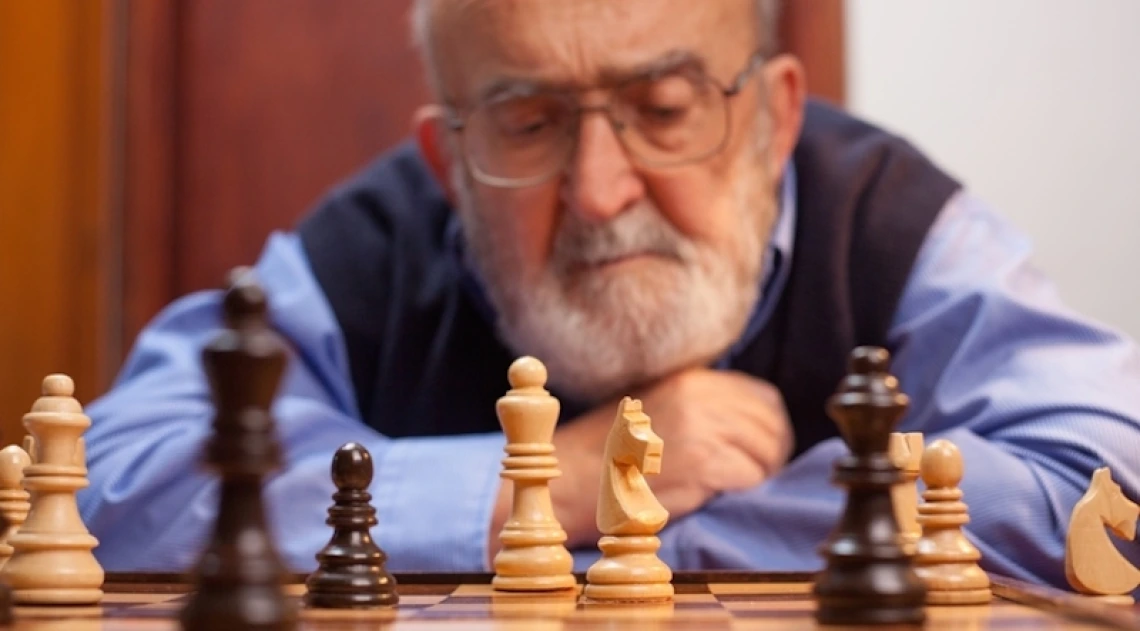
1035,104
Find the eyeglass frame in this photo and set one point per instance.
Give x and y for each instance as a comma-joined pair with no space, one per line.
458,123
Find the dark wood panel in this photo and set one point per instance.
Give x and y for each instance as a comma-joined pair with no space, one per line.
56,293
813,30
150,128
240,114
279,101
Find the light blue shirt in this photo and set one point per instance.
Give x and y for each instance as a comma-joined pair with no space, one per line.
1033,394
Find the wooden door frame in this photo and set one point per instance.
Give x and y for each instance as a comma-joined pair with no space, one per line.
149,178
58,223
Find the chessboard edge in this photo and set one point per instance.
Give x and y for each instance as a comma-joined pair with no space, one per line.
480,578
1067,604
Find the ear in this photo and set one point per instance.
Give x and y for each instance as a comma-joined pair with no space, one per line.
428,127
786,83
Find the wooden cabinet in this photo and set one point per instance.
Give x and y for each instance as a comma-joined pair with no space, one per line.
58,264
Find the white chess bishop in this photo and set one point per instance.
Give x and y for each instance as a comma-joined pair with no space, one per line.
533,556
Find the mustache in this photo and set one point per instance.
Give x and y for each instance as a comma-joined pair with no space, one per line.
639,230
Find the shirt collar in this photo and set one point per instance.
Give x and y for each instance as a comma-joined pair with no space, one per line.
776,267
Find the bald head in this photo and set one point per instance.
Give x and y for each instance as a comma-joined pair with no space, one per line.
436,23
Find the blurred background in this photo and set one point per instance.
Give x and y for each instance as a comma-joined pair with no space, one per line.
147,146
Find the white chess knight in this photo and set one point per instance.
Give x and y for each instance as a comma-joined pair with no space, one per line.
1093,565
52,562
905,451
629,515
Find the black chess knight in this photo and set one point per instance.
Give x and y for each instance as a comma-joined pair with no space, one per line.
869,577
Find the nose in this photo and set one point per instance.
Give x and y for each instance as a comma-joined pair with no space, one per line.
601,180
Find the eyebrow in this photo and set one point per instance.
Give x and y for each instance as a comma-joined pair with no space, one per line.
666,63
513,87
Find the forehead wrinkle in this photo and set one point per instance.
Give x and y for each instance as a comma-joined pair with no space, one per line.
571,44
525,82
494,43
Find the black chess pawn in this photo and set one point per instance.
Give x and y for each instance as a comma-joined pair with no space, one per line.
351,571
240,579
869,578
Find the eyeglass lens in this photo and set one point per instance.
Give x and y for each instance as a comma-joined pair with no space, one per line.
666,120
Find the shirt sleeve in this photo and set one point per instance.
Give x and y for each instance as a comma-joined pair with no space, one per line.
151,503
1035,396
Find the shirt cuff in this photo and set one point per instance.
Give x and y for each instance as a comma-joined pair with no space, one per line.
434,498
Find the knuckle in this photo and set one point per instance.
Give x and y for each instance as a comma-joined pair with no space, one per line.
684,385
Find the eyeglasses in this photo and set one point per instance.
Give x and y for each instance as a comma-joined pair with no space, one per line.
671,118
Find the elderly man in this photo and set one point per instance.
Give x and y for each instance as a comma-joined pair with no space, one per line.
638,194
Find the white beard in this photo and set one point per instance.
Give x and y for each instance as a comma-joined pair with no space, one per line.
602,332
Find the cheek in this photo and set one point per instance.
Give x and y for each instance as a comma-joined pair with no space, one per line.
700,203
523,220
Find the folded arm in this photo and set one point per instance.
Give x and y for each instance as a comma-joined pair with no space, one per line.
151,503
1034,395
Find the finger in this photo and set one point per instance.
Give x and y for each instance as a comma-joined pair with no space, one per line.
762,403
763,433
764,390
732,469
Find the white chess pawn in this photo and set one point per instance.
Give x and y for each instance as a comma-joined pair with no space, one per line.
945,559
52,563
14,503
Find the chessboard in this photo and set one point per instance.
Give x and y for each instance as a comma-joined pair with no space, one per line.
890,560
703,600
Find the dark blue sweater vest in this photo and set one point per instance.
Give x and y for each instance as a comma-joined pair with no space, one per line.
425,361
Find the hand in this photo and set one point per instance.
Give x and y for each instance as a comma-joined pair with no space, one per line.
723,431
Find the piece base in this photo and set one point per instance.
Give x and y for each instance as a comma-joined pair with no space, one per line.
870,616
317,600
57,596
534,583
1113,599
5,605
629,592
959,597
